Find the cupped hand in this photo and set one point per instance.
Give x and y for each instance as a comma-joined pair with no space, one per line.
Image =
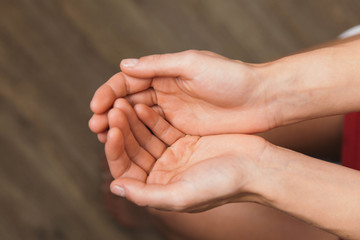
189,173
198,92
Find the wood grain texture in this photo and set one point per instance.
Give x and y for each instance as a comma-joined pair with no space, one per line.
54,54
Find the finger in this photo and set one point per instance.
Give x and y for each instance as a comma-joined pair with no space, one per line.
165,197
119,162
147,97
99,123
102,136
161,65
158,125
141,133
135,152
117,86
158,110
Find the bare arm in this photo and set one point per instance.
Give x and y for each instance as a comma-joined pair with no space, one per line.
320,193
314,84
195,174
221,95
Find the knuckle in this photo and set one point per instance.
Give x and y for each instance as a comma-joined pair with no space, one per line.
155,57
117,75
191,52
209,53
191,55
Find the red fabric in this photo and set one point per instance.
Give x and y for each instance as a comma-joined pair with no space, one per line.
351,141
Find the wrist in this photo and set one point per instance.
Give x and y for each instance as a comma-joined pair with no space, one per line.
271,167
272,173
313,84
258,172
296,90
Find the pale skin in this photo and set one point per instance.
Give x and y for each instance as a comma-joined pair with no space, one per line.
173,96
241,220
296,98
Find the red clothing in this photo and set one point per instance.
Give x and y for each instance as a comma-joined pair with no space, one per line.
351,141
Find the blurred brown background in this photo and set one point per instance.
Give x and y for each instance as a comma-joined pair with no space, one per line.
53,56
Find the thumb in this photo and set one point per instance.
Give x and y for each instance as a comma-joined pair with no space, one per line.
161,196
161,65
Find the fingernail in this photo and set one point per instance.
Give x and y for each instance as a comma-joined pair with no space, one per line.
118,191
130,62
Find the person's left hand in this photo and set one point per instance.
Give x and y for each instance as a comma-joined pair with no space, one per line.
188,173
198,92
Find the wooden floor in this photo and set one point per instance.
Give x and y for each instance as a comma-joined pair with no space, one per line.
54,54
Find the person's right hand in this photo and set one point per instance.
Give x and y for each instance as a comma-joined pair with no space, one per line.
198,92
169,170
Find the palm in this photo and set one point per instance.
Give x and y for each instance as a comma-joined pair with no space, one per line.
179,160
191,166
198,165
200,173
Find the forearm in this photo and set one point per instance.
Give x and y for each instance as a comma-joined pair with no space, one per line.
320,193
314,84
